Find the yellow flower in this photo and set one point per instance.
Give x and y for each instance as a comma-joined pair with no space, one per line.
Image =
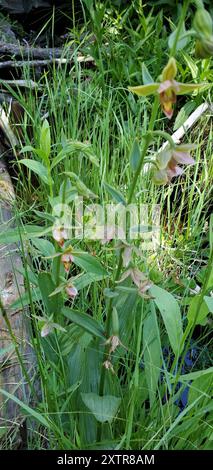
167,88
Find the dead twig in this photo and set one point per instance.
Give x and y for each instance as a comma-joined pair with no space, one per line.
42,63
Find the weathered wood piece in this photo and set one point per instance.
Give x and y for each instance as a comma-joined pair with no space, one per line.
27,52
12,378
42,63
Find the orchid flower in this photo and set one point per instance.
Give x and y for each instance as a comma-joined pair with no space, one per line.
167,162
128,251
167,88
60,234
49,326
114,341
140,280
67,258
108,365
71,290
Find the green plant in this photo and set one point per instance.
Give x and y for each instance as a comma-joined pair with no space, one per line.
104,313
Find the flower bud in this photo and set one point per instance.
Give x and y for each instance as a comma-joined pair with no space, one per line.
204,48
203,23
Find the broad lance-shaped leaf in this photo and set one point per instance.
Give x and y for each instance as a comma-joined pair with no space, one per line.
80,186
152,353
45,139
88,323
103,408
26,232
209,302
84,280
192,375
198,311
45,247
47,286
71,147
201,386
30,411
25,298
182,41
89,263
171,315
37,168
135,155
147,78
116,195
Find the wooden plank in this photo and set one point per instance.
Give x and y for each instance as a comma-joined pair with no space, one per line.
11,286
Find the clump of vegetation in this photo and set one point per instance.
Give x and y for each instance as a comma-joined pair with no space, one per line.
115,230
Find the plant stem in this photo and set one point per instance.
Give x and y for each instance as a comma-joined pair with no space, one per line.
139,168
119,267
199,3
180,24
135,381
166,136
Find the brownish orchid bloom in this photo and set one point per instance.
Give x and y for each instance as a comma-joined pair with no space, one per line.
167,88
168,161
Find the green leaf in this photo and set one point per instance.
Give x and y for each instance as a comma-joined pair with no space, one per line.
30,411
85,321
89,263
171,315
29,148
86,279
152,353
80,186
37,168
191,64
209,302
135,155
182,42
103,408
183,114
45,247
24,299
211,233
115,194
47,286
26,232
71,338
147,78
75,146
201,386
193,375
201,277
193,311
45,139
